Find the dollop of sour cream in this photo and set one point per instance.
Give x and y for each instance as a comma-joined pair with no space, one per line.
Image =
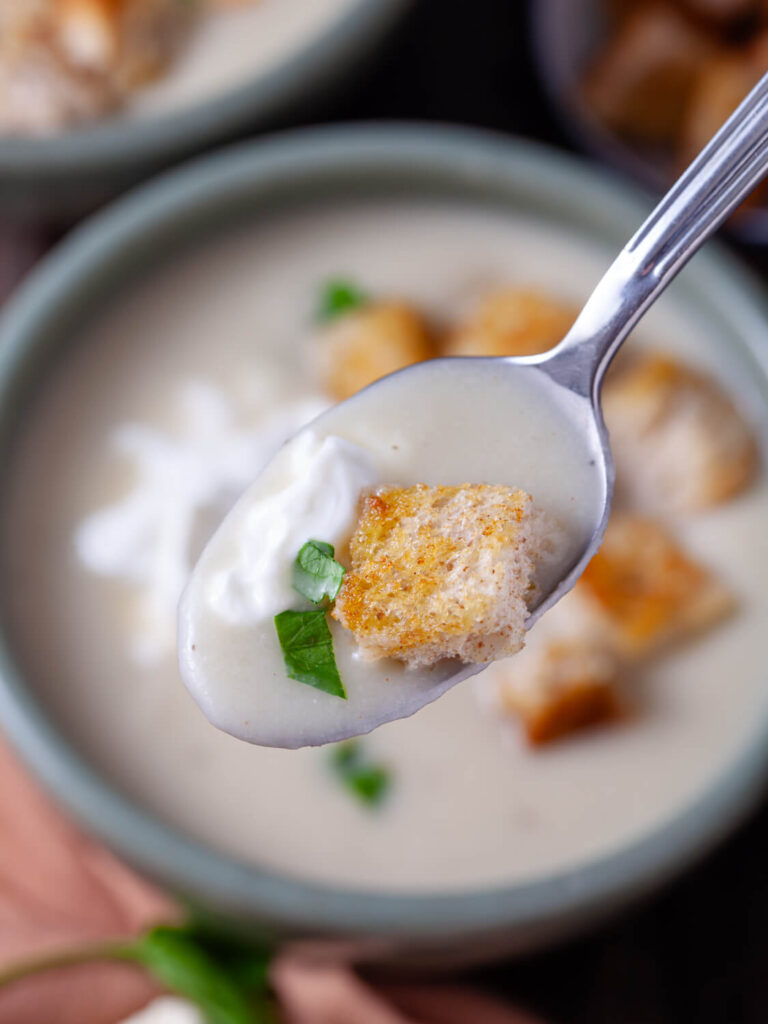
315,497
185,482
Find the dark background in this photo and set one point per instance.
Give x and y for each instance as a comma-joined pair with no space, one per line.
698,952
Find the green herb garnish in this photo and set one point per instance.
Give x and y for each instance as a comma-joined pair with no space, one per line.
307,647
339,297
316,573
366,781
223,975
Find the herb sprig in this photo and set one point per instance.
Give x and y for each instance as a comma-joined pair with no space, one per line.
307,646
224,976
316,573
338,297
305,637
367,781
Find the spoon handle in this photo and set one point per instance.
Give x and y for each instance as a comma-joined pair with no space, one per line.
717,181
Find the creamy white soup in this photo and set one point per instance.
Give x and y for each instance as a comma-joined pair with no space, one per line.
196,375
232,47
443,422
63,66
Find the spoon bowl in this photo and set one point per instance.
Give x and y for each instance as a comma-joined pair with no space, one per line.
533,423
416,445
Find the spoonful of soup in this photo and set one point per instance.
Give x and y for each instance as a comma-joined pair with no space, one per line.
412,534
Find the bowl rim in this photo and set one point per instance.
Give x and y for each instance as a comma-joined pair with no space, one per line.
119,145
453,155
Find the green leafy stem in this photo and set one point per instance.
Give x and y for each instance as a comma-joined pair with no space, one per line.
224,976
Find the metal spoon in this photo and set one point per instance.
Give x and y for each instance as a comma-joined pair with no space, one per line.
570,379
719,179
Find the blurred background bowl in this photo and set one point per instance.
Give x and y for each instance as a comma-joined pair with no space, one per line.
567,36
251,182
62,176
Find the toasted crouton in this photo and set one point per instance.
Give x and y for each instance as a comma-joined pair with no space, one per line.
368,343
676,435
40,93
561,687
640,592
720,86
647,591
641,84
89,32
441,572
152,32
129,41
512,322
63,62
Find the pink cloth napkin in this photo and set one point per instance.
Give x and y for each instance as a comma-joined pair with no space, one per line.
58,889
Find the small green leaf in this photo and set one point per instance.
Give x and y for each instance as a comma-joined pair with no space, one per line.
338,297
368,782
316,573
307,647
183,966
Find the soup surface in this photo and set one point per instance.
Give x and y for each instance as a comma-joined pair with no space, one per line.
213,356
231,47
444,422
64,66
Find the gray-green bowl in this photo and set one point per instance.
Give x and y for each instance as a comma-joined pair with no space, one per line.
249,182
62,176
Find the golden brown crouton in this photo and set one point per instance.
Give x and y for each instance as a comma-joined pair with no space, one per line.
368,343
641,591
67,61
647,591
129,41
89,32
720,86
441,572
563,687
676,435
512,322
641,84
718,89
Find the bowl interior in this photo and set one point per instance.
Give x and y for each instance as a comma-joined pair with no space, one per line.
261,183
243,68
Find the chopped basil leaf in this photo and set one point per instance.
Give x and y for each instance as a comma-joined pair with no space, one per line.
316,573
368,782
307,647
339,297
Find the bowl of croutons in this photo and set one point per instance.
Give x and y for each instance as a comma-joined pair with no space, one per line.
97,94
644,84
152,366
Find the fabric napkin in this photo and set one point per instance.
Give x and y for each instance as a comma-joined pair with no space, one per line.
58,889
